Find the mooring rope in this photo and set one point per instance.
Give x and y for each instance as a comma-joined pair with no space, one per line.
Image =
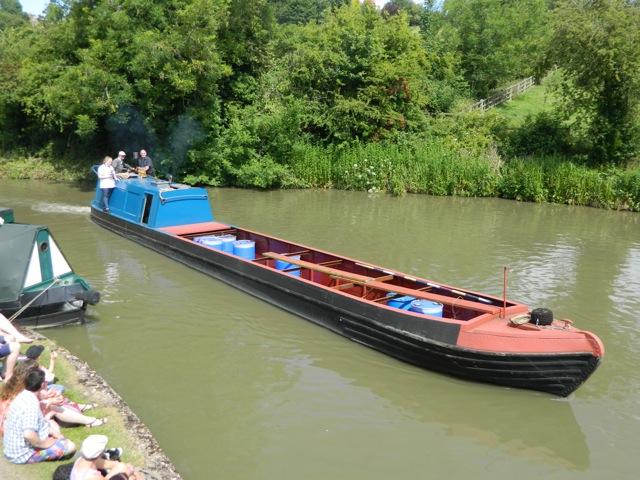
15,315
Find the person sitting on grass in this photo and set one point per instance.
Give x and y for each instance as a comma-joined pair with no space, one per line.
10,340
28,436
13,387
92,461
52,403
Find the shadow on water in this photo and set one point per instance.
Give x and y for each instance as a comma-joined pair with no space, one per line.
519,423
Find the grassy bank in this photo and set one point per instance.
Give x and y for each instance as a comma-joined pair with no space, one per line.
441,167
115,428
40,169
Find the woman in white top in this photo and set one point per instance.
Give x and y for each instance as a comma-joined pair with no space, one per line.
108,178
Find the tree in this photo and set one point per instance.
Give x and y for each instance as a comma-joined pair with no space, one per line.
95,69
11,14
596,44
360,74
412,9
302,11
500,40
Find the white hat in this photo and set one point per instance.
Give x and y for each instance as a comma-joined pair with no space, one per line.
93,446
121,153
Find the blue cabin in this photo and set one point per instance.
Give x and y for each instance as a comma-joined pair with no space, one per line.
156,203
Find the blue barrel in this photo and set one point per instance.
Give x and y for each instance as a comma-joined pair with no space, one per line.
202,238
403,303
245,249
427,307
227,242
210,241
283,265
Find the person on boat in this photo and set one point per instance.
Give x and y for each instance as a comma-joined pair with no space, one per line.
145,164
92,460
108,179
28,436
118,162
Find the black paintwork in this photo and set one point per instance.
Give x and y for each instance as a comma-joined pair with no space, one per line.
51,309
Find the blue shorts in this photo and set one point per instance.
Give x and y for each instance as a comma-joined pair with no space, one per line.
5,349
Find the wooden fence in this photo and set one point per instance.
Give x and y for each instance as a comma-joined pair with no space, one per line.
504,95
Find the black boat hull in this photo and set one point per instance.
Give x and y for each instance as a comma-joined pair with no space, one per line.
426,343
47,316
61,305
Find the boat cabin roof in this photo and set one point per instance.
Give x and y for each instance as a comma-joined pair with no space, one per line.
29,256
156,202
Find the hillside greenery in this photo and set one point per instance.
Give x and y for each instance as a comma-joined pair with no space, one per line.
331,93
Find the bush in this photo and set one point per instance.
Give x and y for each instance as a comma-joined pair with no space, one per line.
523,180
263,173
563,180
541,134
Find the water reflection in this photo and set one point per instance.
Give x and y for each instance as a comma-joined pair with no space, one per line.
514,422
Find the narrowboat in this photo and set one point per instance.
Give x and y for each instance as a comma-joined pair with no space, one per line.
38,288
435,326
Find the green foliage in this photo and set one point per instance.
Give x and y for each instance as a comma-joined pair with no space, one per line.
542,134
424,166
38,169
561,180
11,14
597,45
302,11
262,173
360,75
81,73
628,189
498,41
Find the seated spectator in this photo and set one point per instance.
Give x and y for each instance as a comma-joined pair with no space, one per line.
28,436
13,387
33,353
52,403
10,340
92,460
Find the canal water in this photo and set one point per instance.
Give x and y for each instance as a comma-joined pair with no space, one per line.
235,388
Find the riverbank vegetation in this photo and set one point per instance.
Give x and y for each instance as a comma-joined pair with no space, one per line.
331,94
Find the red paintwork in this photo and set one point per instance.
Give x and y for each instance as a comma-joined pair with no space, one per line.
194,228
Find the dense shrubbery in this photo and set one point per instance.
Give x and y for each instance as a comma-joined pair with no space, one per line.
556,179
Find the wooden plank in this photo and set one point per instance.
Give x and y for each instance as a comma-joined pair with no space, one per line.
384,278
373,283
344,286
330,262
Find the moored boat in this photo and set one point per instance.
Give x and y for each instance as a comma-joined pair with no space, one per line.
38,288
432,325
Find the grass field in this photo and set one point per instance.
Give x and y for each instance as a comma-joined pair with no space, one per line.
535,100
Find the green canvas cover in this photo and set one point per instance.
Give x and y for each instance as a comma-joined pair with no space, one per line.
16,244
7,214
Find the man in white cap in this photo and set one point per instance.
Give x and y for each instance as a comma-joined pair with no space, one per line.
118,162
92,460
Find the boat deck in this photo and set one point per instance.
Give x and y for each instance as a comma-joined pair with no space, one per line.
367,282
